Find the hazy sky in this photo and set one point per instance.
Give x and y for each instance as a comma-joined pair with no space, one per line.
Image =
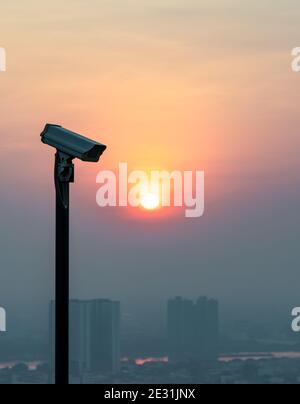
174,84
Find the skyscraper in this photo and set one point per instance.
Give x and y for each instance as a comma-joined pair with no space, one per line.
94,335
193,329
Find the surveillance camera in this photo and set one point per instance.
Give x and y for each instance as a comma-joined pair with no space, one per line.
72,144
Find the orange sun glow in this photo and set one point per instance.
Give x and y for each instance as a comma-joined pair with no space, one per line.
150,201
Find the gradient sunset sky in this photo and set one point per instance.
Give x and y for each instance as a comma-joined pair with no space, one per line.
173,84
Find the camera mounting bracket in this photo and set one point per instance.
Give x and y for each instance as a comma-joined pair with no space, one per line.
63,176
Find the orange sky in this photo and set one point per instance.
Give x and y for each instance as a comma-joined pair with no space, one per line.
164,83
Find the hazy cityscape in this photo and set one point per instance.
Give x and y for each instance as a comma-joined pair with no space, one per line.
195,349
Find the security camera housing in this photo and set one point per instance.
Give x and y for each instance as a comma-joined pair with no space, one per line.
72,144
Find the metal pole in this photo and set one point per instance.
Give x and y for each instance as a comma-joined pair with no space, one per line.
64,174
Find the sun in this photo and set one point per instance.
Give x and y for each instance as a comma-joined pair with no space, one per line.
150,201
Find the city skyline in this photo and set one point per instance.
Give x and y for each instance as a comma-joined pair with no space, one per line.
193,330
94,336
195,349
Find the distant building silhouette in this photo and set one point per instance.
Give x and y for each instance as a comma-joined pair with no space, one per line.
193,330
94,336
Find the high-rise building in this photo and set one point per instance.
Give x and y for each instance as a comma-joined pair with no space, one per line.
94,336
193,329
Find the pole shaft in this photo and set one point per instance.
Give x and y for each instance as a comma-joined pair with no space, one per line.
62,289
